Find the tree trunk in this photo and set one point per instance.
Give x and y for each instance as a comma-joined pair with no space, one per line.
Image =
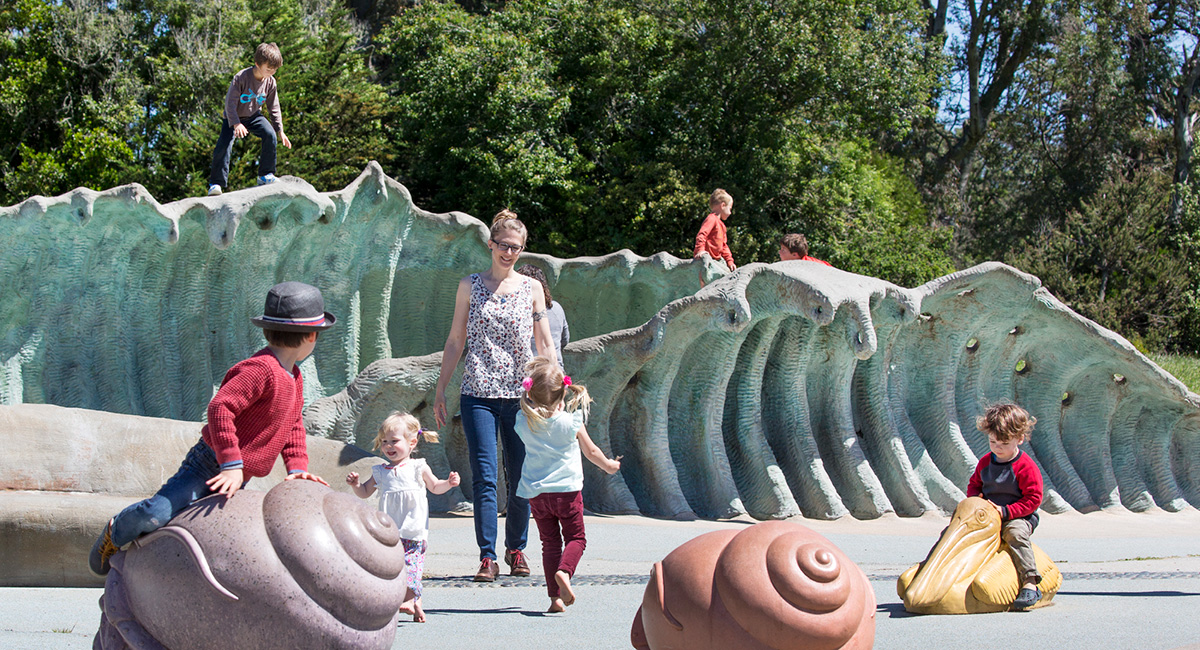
1184,120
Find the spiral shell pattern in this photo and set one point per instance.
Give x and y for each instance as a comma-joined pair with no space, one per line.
299,567
775,585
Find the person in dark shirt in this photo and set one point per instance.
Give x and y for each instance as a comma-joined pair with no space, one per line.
1011,481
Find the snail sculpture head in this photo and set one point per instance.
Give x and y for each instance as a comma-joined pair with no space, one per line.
774,585
301,566
969,570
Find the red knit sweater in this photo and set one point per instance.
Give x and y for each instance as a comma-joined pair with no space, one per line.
256,416
1015,486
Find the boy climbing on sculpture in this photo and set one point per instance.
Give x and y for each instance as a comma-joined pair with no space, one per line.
1010,481
254,418
252,91
712,238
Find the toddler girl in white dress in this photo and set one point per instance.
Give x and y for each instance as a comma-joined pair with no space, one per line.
402,482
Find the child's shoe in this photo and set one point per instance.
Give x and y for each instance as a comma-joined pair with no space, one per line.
102,550
1027,598
487,571
266,180
214,190
517,563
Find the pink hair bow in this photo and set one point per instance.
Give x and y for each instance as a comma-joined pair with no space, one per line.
527,383
566,380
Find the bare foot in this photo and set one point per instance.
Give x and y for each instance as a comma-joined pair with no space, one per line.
556,605
408,607
418,612
564,587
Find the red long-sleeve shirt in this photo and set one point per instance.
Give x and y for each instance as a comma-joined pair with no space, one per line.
256,416
1015,486
713,239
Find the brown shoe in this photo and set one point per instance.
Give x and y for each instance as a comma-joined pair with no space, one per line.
516,560
102,550
487,571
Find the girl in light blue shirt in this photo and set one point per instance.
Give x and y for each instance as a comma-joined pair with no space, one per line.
550,424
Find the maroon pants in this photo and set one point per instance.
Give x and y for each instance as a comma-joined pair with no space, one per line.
559,517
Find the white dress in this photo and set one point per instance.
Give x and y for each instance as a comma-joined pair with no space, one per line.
402,496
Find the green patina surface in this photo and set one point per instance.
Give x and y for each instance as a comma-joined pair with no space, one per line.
781,389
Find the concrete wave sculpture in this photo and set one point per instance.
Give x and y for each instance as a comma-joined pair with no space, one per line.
115,302
299,567
774,586
778,390
969,570
794,388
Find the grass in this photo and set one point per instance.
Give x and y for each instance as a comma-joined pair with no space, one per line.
1185,368
63,630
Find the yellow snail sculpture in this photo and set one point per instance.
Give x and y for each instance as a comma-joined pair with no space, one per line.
969,570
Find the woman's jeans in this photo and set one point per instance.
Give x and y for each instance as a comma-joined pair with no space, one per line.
180,491
482,419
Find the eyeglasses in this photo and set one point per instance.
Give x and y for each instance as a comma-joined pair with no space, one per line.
508,248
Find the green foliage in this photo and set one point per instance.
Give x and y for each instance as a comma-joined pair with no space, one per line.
1114,260
606,125
1184,367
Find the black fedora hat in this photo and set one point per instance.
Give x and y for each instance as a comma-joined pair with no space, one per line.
295,307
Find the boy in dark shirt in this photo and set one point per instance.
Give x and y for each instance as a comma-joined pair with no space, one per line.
254,418
252,91
1011,481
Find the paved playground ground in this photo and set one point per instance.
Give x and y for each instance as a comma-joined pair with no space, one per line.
1131,581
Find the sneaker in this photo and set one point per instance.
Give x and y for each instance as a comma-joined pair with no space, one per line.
516,561
102,550
1027,598
214,190
487,571
266,180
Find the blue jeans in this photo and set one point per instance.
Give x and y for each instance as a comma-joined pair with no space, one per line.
180,491
258,125
482,419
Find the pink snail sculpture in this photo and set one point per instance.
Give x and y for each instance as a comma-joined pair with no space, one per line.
300,566
774,585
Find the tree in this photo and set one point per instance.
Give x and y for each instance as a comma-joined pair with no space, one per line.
607,125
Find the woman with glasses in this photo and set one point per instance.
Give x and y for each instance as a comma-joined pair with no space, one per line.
496,312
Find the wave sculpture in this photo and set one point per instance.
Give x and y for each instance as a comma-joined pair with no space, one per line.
778,390
115,302
798,389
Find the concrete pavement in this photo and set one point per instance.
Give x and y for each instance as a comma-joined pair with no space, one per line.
1131,581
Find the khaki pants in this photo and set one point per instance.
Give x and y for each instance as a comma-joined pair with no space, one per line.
1015,533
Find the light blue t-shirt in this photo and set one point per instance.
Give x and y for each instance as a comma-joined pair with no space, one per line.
552,459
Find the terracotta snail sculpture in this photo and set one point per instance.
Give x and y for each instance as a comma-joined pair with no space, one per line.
300,566
774,585
969,570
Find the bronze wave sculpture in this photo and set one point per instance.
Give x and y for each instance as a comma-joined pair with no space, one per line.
779,390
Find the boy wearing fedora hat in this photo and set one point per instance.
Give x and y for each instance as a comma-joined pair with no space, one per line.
254,418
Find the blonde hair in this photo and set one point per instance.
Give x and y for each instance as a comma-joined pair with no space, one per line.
548,387
404,424
507,220
1006,422
720,196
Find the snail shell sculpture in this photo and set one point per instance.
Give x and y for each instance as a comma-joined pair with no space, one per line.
300,566
969,570
774,585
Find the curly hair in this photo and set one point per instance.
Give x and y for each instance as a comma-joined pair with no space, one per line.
1006,422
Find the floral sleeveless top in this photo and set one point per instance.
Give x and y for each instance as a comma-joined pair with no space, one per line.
498,332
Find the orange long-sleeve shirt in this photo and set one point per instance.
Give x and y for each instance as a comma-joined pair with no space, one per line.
713,240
